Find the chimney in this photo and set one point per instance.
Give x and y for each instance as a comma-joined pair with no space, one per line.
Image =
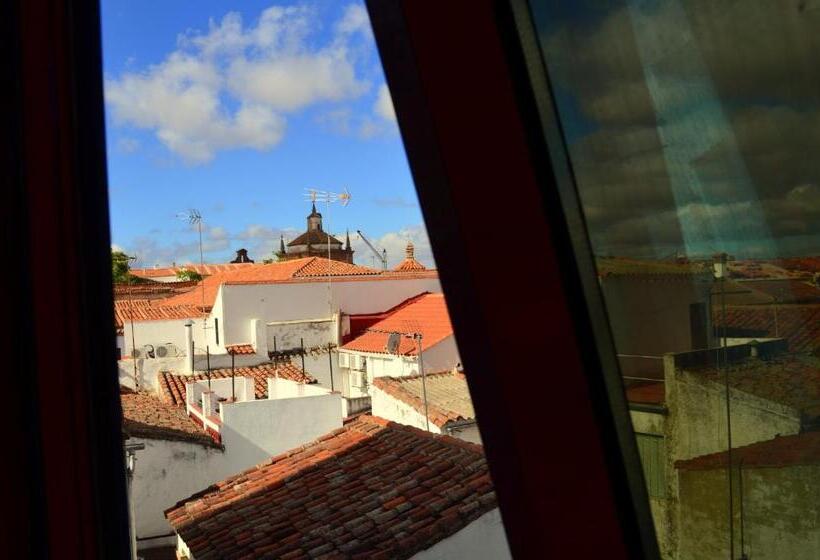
189,346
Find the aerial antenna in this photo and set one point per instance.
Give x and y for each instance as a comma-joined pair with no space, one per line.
194,217
328,197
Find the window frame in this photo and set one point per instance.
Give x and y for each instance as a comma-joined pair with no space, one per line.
71,493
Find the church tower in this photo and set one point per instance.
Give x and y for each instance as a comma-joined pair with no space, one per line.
314,243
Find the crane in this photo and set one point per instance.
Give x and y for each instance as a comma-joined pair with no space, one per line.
381,256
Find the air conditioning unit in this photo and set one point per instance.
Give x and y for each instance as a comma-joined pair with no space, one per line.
344,360
167,350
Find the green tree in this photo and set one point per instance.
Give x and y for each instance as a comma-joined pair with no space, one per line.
185,275
119,267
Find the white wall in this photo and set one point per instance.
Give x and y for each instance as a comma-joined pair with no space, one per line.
158,333
256,430
167,472
309,300
483,539
289,335
390,408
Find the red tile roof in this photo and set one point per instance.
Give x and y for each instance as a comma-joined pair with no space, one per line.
151,290
205,270
782,451
785,291
150,310
427,314
145,416
410,264
789,379
799,324
372,489
172,386
240,349
622,266
362,321
646,393
306,269
448,397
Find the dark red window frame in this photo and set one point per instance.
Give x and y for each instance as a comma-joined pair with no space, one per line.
486,154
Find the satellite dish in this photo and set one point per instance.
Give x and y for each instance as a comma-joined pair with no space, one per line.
393,342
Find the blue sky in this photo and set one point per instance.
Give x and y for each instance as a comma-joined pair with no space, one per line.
237,109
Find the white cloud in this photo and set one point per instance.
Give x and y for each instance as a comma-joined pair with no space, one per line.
128,145
232,86
384,104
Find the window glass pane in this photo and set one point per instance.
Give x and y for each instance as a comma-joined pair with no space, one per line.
288,368
692,131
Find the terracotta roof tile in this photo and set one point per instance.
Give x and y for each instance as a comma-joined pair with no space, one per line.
789,379
448,397
785,291
372,489
205,270
622,266
151,310
172,386
426,314
646,393
782,451
146,416
799,324
306,269
240,349
314,237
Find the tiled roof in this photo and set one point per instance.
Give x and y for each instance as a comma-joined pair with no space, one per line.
622,266
310,268
240,349
410,265
360,322
314,237
204,270
785,291
151,289
145,416
150,310
782,451
799,324
789,379
448,397
172,386
427,314
646,393
372,489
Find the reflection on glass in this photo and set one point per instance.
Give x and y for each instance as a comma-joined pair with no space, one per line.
692,129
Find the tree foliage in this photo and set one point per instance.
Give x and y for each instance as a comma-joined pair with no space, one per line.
186,274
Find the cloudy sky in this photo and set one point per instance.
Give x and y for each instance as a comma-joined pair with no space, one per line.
236,112
693,125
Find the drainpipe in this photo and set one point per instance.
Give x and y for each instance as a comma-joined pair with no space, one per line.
189,345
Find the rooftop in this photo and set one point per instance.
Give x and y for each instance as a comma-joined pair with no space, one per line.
789,379
172,386
372,489
314,237
799,324
425,314
785,291
306,269
448,397
204,270
782,451
146,416
622,266
151,310
651,393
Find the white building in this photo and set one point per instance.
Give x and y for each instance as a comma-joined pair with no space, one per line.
187,448
439,403
370,489
367,356
268,309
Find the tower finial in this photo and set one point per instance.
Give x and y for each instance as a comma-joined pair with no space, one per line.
410,250
347,240
282,243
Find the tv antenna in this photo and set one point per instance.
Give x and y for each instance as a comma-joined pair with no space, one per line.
194,217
